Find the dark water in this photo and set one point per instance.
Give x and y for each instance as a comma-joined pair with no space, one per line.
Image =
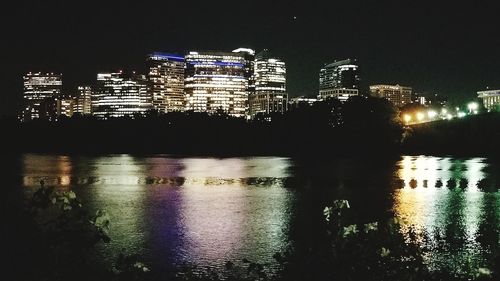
205,211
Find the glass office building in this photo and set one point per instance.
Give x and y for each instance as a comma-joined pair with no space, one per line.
249,56
119,94
40,89
166,78
270,94
339,79
216,81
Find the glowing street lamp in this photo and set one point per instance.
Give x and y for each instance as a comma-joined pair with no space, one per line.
420,116
473,106
407,118
432,114
461,114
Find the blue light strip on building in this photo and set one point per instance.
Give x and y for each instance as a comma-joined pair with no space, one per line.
167,56
216,63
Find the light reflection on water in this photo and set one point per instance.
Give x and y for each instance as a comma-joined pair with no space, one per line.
454,215
206,211
179,210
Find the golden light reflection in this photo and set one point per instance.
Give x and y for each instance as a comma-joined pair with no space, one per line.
54,171
423,203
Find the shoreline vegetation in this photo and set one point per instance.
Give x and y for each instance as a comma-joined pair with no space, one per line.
361,126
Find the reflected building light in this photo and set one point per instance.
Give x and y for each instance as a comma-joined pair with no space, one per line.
216,220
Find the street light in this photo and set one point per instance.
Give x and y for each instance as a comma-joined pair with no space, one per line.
407,118
431,114
420,116
473,106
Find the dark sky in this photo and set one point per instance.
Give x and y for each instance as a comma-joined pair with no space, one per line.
445,47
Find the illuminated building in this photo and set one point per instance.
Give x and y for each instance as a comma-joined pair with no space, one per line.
216,81
491,99
39,87
119,94
166,77
65,106
419,98
428,99
396,94
249,55
270,85
83,104
339,79
300,101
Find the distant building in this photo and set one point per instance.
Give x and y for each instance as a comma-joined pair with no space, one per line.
83,104
166,77
419,98
491,99
119,94
396,94
270,86
339,80
249,56
47,110
39,87
340,94
216,81
428,99
65,106
301,101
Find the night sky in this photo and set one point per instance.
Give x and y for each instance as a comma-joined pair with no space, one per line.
449,48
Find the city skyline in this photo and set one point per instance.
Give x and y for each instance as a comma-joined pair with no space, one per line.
453,55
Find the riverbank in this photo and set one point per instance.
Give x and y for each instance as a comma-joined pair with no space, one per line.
205,135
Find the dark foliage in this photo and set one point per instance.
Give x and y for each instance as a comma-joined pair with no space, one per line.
361,125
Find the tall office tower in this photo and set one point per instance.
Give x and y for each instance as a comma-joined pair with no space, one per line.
40,89
83,103
270,85
120,94
397,95
249,55
166,78
216,81
339,79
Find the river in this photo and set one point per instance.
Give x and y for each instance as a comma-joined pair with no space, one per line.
202,212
